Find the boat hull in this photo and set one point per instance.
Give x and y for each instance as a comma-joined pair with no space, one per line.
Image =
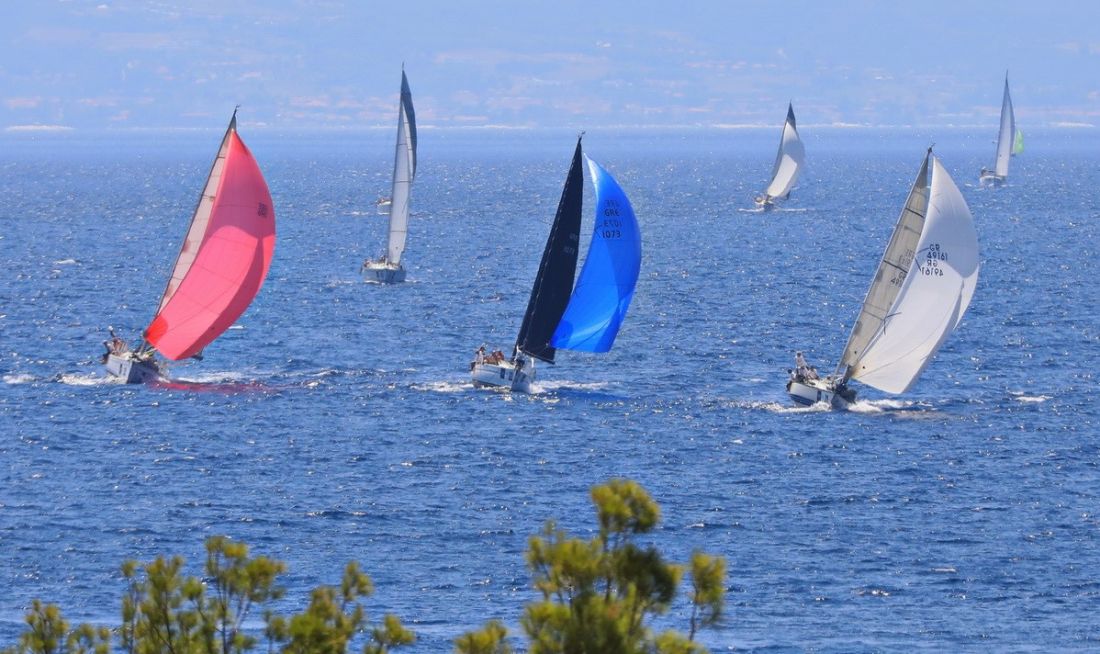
132,370
502,375
383,273
989,178
813,391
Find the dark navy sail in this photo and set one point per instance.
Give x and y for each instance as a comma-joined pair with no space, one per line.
554,283
410,118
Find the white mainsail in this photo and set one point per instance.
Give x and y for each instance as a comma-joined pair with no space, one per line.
937,287
404,170
1006,136
199,220
788,160
892,271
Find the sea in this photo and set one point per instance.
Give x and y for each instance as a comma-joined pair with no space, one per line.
336,420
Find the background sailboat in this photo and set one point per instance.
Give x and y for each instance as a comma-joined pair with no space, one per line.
588,318
918,296
220,268
388,268
1005,137
788,164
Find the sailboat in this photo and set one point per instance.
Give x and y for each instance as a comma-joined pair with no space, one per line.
1018,143
918,296
387,268
1005,137
586,317
218,272
788,163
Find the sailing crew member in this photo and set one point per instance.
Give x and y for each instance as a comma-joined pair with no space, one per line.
479,356
801,368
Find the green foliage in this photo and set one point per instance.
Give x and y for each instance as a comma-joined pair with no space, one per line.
599,595
165,611
48,633
238,583
708,590
490,639
335,616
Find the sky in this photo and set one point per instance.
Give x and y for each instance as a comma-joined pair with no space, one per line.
328,64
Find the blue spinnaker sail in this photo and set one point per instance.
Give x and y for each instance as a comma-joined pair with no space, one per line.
606,284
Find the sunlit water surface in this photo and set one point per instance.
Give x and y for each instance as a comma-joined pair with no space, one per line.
337,421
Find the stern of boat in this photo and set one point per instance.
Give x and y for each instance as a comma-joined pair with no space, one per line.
132,370
382,272
811,391
989,178
502,375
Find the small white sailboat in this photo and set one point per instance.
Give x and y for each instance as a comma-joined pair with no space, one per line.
388,268
918,296
219,270
788,164
1005,141
560,316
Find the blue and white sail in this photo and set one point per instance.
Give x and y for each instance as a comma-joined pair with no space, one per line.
605,287
404,170
788,160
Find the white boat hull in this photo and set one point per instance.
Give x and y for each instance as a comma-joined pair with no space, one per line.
132,370
502,375
812,391
989,178
383,273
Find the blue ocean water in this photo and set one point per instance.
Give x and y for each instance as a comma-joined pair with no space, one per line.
337,422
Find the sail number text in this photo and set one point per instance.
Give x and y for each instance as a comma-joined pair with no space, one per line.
611,227
930,266
902,269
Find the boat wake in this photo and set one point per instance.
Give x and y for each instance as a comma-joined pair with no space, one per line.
19,379
565,385
212,383
87,380
443,386
880,406
778,408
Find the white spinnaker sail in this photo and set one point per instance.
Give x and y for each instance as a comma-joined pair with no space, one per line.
788,161
404,169
934,297
1006,135
893,270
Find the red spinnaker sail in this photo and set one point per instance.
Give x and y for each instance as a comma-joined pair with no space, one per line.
228,269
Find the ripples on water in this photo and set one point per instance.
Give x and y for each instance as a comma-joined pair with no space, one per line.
338,422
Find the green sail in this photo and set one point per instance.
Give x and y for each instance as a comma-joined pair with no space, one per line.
1018,143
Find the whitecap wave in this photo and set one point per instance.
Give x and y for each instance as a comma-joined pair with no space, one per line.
443,387
1032,399
550,386
18,378
65,262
